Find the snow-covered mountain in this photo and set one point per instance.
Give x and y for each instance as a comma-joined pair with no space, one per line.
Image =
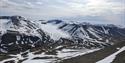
90,34
23,40
19,34
83,30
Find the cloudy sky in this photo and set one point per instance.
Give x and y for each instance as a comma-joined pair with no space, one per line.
97,11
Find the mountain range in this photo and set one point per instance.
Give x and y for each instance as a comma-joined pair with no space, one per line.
18,34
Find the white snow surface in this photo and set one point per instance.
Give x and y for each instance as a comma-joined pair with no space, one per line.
110,58
93,32
53,31
2,25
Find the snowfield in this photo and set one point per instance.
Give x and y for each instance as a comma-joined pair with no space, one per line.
53,31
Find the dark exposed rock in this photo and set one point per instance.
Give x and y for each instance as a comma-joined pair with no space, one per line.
11,61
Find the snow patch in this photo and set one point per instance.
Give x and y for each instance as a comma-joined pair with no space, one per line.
63,54
69,53
93,32
110,58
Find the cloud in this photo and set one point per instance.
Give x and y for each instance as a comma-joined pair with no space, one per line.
72,7
97,7
40,3
7,4
67,8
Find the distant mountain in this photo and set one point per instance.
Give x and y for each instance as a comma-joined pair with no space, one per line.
90,35
18,34
91,32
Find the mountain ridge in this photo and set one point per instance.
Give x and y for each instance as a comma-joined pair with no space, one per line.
18,33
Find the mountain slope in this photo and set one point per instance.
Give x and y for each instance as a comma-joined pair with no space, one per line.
18,33
99,55
23,40
86,32
94,31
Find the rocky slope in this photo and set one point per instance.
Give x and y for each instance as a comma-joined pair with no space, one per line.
19,34
23,40
102,54
91,35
